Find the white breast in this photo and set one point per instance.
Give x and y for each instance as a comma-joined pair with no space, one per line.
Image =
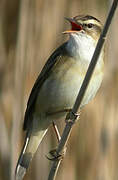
81,46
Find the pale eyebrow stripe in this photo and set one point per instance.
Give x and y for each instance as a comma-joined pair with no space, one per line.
92,21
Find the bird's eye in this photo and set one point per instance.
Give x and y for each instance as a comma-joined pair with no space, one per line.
85,25
90,25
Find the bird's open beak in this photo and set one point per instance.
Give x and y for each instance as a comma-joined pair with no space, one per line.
69,19
75,26
68,31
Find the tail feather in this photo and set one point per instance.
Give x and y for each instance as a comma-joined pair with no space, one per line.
31,144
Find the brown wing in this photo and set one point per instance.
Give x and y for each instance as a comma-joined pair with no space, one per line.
40,80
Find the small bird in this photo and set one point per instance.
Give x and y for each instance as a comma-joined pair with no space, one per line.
57,86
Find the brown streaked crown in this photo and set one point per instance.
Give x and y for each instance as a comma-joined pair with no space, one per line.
85,17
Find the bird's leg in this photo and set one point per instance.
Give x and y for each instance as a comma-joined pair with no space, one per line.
56,131
55,155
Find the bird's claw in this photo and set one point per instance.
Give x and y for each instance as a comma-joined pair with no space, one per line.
72,117
55,155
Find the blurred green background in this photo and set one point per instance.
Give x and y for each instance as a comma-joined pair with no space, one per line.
30,30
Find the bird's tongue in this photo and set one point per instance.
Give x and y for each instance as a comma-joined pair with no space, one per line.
76,26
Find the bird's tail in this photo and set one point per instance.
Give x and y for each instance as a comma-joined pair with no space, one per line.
31,144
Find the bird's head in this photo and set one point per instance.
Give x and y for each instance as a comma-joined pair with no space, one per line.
85,24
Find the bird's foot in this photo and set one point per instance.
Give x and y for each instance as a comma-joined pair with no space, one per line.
55,155
72,117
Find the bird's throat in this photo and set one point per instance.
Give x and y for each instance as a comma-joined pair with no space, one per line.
81,47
